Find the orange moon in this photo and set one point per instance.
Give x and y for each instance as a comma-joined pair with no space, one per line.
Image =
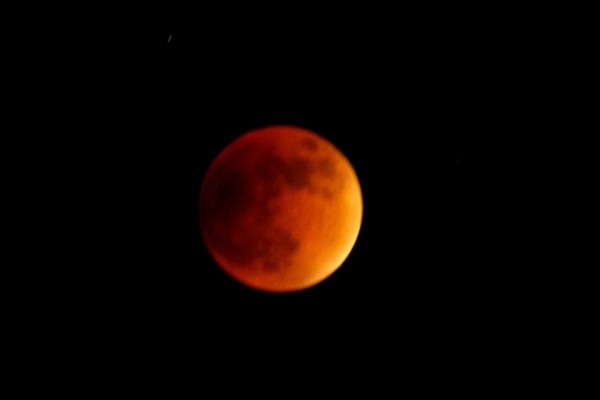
280,209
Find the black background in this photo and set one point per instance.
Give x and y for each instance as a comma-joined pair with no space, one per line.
422,102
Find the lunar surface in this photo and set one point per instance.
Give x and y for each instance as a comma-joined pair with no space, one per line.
280,209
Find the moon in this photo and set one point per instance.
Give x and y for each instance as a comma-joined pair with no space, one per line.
280,208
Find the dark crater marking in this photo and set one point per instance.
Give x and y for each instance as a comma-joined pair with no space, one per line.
310,144
297,172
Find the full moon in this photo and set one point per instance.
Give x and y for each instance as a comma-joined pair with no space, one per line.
280,209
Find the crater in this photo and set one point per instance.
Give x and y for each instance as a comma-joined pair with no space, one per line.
270,167
310,144
297,172
327,167
326,192
278,249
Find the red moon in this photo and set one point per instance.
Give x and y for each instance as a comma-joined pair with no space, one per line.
280,209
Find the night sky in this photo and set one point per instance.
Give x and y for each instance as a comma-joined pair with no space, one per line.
419,104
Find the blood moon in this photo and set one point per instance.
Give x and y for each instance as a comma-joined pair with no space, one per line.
280,208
